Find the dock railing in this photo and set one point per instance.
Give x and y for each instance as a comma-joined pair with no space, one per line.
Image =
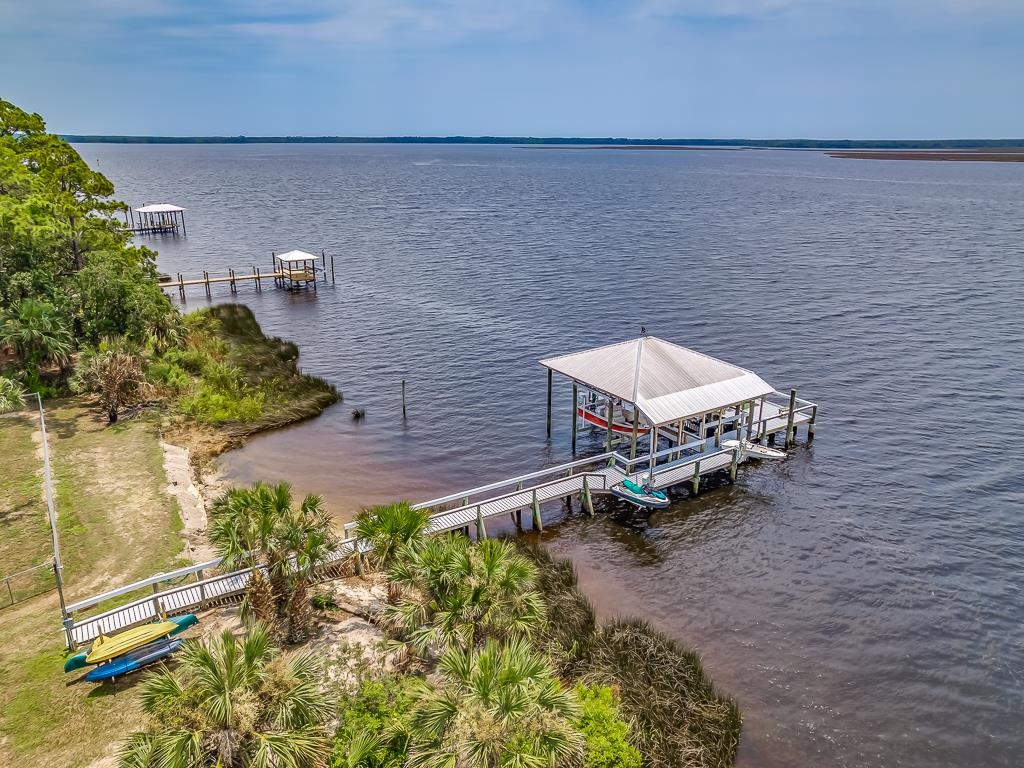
679,463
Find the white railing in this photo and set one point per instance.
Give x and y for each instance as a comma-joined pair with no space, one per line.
671,466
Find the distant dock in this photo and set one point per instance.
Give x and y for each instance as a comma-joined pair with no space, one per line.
159,219
293,270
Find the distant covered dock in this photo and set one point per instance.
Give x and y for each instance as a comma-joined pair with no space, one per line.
161,218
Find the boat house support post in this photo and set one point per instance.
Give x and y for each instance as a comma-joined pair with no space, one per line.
636,427
609,409
750,420
654,448
575,418
789,418
550,374
734,463
720,417
695,483
703,431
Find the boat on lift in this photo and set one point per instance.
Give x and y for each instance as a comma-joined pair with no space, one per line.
640,495
751,450
595,413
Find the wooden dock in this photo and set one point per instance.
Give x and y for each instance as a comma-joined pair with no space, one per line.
679,467
282,274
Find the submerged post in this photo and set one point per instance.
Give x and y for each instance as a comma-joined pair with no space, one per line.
550,374
575,418
403,398
789,418
206,278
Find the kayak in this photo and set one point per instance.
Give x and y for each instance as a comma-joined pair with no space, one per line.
640,495
128,640
133,660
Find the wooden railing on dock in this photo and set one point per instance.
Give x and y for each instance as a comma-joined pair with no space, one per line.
191,589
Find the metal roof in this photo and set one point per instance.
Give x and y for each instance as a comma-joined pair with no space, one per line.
665,381
296,256
159,208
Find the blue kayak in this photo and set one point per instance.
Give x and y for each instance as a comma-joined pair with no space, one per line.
133,660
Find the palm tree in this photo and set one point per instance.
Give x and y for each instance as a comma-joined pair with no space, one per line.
260,529
388,527
499,705
38,334
11,394
231,703
456,594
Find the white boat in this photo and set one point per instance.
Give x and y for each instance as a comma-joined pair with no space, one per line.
754,451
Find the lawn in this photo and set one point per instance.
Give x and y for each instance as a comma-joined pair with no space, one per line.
116,524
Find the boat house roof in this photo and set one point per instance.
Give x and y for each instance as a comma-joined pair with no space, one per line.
666,382
296,256
159,208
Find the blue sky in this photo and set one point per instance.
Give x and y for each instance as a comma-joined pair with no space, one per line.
646,68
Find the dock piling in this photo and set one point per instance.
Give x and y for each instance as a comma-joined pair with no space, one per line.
538,524
206,279
403,399
810,424
789,419
585,499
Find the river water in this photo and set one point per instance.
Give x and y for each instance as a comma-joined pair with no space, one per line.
863,599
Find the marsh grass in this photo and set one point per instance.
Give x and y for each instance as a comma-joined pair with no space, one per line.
678,718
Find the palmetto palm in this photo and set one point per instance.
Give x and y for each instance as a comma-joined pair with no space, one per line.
454,594
231,703
37,332
11,394
389,527
499,705
259,528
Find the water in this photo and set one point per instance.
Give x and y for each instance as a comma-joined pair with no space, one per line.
862,600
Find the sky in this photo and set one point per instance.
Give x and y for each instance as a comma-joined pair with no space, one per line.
635,68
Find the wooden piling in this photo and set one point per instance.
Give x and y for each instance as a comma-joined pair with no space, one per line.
231,282
735,463
810,424
256,279
575,418
332,269
481,531
789,418
181,287
403,399
695,483
585,500
206,278
538,524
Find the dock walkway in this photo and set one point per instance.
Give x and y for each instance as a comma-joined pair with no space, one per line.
190,589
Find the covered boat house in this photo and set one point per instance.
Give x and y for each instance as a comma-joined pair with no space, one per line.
158,219
650,390
295,269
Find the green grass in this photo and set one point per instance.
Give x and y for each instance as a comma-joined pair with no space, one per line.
25,539
116,525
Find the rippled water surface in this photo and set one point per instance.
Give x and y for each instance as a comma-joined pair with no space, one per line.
862,600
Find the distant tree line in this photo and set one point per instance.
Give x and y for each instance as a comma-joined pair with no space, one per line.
560,140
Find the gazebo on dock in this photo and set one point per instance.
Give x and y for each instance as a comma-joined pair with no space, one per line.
161,218
651,388
295,268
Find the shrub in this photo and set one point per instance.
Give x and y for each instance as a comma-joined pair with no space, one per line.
211,406
169,376
371,732
604,730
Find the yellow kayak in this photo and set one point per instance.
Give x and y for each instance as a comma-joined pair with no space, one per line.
106,648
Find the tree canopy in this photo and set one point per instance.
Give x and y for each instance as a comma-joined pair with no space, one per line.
64,253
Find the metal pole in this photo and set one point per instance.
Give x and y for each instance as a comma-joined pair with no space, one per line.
58,567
